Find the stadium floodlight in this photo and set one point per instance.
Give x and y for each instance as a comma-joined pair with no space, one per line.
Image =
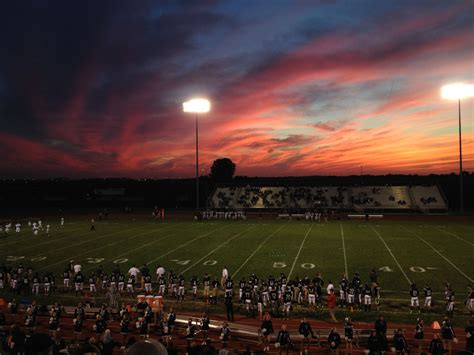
197,106
458,91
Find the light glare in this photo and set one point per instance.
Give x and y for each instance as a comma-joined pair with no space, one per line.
457,91
197,106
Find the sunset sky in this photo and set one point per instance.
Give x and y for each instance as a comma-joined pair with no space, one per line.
298,87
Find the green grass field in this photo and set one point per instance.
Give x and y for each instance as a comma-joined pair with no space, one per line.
402,252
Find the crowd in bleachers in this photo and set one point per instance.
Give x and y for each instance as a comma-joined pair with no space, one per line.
232,215
428,200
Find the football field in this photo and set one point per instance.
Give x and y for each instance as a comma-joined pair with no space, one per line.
402,252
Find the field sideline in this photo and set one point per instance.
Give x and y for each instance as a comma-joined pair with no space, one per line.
401,252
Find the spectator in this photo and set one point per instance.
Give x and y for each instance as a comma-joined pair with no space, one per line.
331,301
283,340
108,343
470,336
400,343
334,341
148,346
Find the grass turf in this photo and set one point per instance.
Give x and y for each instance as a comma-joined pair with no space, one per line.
401,252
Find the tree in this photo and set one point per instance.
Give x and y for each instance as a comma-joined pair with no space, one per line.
222,170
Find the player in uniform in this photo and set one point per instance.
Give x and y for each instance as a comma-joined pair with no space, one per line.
78,282
161,285
18,228
46,284
450,302
62,221
92,227
367,291
47,229
242,284
419,333
194,286
66,279
35,228
36,284
92,283
229,287
181,290
376,293
265,295
351,290
121,282
206,281
287,298
414,301
470,300
343,290
247,298
428,297
147,281
130,284
312,295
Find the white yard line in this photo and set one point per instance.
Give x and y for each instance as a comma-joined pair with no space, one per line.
141,247
299,251
256,250
34,245
391,253
39,236
94,250
344,250
217,248
456,236
441,255
185,244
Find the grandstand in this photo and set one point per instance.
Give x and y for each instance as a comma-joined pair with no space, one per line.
348,198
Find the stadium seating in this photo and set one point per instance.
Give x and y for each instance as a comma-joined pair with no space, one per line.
357,198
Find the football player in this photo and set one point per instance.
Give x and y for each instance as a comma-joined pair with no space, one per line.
428,297
414,301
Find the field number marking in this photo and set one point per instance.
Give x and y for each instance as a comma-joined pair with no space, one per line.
181,262
279,264
385,269
120,261
210,262
95,260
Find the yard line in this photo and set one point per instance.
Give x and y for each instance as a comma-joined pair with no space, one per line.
391,253
299,250
216,249
255,251
344,250
99,248
441,255
26,234
34,245
185,244
457,236
140,247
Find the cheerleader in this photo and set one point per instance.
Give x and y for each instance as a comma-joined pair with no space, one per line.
190,330
225,333
30,320
99,325
77,325
124,323
348,334
142,327
419,333
53,324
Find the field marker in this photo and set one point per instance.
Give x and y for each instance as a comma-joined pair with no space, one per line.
26,234
216,249
344,251
437,252
256,250
185,244
99,248
140,247
457,236
391,253
299,250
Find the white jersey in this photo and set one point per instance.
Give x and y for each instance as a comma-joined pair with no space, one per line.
18,227
225,273
77,268
133,271
62,221
47,228
160,271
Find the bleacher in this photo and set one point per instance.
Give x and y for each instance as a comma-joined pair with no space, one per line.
352,198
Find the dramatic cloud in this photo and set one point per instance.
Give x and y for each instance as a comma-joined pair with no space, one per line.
95,88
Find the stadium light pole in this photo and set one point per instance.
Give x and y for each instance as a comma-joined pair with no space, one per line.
197,106
456,92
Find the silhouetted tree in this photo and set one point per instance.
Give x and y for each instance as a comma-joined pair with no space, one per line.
222,170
